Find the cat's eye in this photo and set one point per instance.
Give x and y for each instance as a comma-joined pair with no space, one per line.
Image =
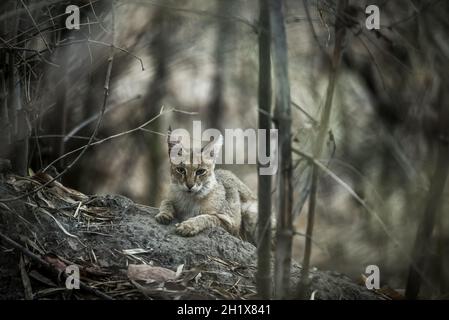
200,172
181,170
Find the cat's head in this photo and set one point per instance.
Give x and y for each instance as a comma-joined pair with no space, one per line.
192,170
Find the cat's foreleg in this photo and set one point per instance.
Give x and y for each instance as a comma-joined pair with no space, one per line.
195,225
166,212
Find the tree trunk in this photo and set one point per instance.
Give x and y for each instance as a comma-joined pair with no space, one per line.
283,120
340,32
264,183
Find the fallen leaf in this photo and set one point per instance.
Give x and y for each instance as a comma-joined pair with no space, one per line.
150,273
135,251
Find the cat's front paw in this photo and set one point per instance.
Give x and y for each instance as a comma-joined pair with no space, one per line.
187,228
164,217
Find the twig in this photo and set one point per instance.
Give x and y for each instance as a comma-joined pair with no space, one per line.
340,32
91,139
13,49
28,291
96,17
59,224
416,14
118,135
91,119
83,41
62,136
312,28
155,132
51,268
317,244
115,47
49,30
362,202
36,26
297,106
303,282
37,6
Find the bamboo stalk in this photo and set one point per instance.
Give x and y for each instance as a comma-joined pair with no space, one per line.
340,32
282,117
263,275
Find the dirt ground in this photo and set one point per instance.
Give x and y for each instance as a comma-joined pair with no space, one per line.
107,236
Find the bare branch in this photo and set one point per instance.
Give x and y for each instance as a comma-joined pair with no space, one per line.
36,26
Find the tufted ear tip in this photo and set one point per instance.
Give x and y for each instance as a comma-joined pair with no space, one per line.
169,131
170,141
212,149
219,141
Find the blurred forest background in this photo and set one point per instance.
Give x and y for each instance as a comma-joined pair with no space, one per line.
386,131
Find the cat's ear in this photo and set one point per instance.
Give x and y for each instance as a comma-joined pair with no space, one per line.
210,151
174,143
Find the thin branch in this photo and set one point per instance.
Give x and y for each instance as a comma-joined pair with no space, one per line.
340,33
92,118
44,264
50,30
362,202
317,244
28,291
96,17
84,41
297,106
36,26
118,135
91,139
118,48
304,283
312,28
13,49
62,136
36,6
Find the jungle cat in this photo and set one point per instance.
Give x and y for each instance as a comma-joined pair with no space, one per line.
201,197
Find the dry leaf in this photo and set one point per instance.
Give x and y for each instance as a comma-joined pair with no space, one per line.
150,273
135,251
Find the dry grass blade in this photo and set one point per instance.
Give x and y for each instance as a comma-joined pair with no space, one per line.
28,291
59,224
